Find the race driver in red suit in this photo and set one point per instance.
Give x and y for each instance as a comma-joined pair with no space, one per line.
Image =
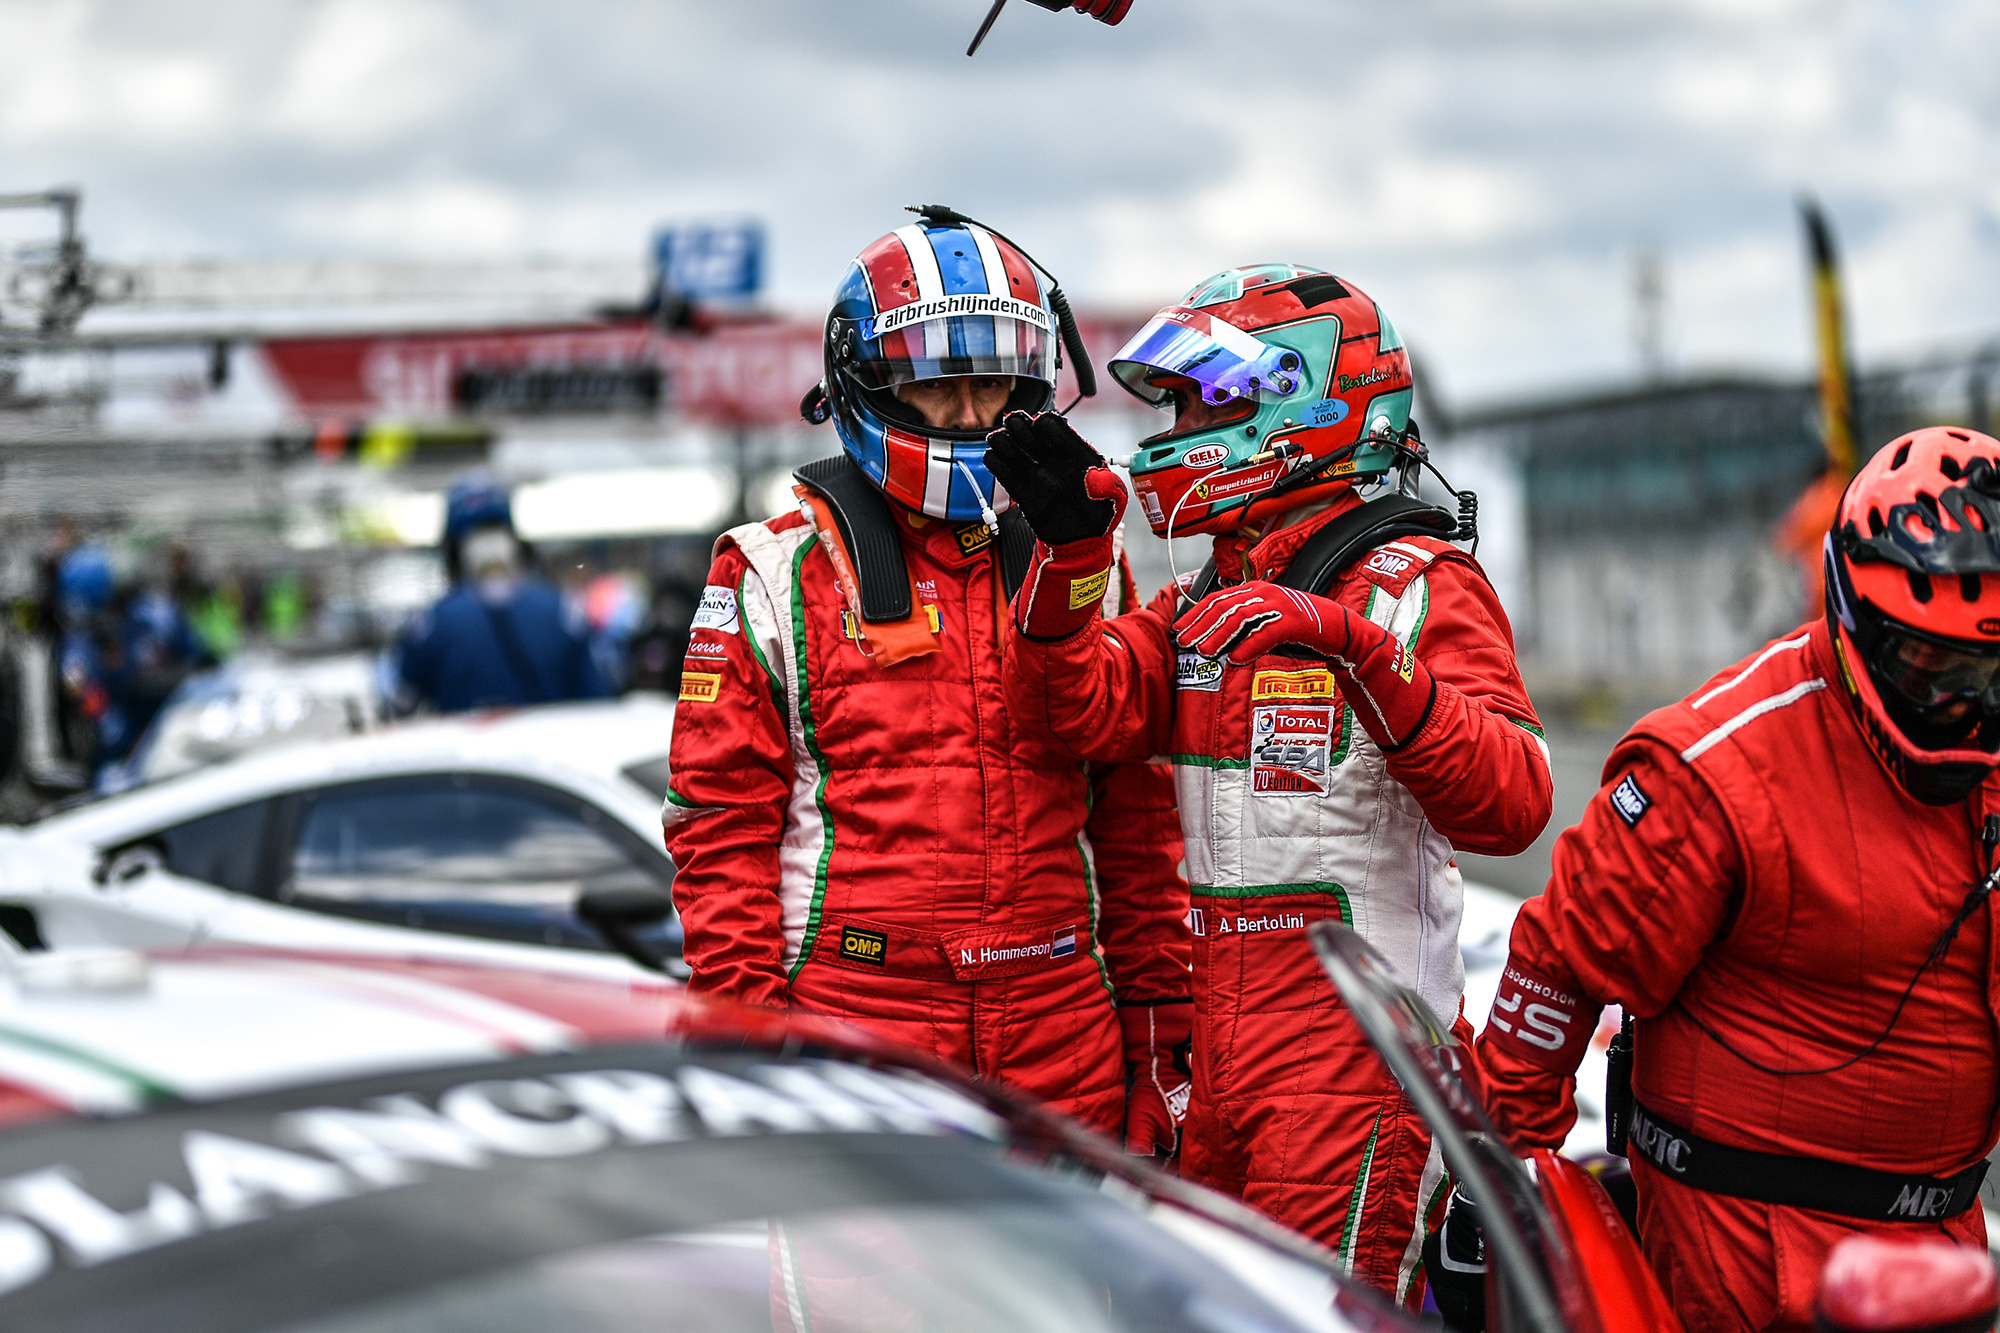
1333,741
860,827
1784,879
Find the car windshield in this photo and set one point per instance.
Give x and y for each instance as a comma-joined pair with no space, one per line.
655,1187
1077,1265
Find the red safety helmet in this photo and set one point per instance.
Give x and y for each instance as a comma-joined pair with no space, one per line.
1308,386
1913,604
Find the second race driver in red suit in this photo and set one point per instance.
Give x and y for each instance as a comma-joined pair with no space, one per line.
1784,879
860,825
1342,711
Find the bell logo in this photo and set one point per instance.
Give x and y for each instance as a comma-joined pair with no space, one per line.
1208,455
1990,625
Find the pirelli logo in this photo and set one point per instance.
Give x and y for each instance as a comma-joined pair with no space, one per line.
1313,683
700,687
864,946
1084,592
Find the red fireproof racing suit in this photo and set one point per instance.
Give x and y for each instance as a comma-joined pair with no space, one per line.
1751,880
888,845
1292,814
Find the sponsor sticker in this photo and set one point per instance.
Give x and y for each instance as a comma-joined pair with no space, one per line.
717,610
1326,412
1087,592
1192,671
1205,455
974,537
706,648
1314,683
1628,802
1291,749
864,946
971,304
700,687
1156,513
1239,483
1375,376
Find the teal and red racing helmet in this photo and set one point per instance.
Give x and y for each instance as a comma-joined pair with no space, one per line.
1286,382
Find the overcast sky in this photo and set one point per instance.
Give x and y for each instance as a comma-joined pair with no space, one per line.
1487,169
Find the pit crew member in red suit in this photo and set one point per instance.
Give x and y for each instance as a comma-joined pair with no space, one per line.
1783,879
1339,721
861,826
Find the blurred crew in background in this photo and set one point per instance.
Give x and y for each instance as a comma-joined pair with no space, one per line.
503,636
1786,880
118,657
1339,694
862,826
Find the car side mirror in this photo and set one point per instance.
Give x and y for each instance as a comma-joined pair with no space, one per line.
619,914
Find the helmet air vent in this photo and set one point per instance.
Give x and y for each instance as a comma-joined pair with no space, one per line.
1920,585
1902,456
1316,289
1968,587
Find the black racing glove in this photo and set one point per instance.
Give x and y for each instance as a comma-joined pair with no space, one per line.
1455,1263
1066,490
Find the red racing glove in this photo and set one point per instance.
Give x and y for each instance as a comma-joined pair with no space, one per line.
1104,11
1157,1042
1385,684
1073,501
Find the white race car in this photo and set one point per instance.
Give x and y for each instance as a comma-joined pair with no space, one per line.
501,836
255,1141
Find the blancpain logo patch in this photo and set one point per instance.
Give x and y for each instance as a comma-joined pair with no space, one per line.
978,304
717,610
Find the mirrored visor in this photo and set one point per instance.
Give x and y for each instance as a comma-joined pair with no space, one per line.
1930,673
953,345
1224,360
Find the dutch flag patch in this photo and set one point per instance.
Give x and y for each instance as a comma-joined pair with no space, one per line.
1063,945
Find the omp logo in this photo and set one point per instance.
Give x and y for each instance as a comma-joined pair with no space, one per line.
700,687
974,537
1920,1202
1316,683
864,946
1382,562
1208,455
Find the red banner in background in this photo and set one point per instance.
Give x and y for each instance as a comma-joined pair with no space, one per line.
738,374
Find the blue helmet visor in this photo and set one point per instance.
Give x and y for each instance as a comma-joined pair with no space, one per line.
1225,361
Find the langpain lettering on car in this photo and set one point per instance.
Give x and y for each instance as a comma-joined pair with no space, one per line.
290,1160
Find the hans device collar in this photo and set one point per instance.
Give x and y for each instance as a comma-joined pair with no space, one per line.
861,512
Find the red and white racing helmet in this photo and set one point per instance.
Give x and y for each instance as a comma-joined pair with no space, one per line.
1913,605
